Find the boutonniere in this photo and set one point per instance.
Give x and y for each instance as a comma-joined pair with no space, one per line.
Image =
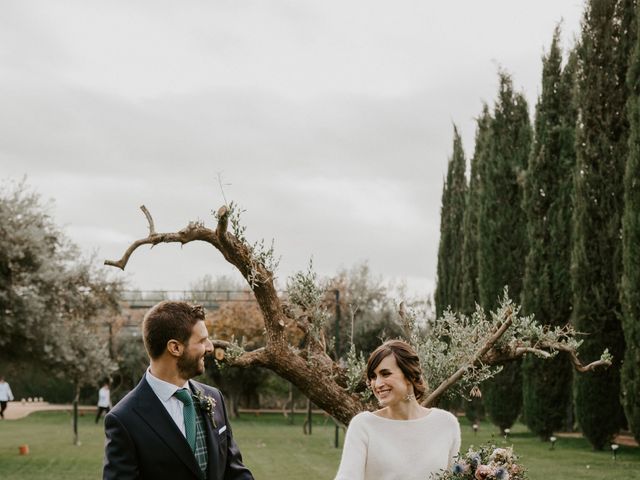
207,404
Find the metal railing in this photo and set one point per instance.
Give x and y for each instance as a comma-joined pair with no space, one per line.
210,299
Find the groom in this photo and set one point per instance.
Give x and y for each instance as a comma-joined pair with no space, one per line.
170,426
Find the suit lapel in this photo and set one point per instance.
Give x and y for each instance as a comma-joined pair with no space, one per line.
212,437
150,409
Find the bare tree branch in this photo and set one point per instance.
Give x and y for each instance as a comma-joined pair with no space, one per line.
543,350
193,231
577,364
223,222
223,344
254,357
152,228
520,351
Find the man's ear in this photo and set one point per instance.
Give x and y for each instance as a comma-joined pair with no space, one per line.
175,348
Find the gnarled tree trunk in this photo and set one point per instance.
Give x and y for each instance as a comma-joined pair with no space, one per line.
311,369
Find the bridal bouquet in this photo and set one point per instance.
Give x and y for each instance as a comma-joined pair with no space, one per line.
486,463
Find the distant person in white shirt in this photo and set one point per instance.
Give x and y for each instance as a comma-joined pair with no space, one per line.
403,439
104,400
5,396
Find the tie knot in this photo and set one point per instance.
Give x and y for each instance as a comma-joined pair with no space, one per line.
184,396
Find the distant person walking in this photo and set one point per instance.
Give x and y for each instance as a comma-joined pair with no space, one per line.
104,400
5,396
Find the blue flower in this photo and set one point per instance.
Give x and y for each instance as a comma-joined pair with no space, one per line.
457,468
475,459
501,473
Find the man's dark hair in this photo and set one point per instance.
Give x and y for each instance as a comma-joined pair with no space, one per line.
169,320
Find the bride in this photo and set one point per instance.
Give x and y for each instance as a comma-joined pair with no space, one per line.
402,440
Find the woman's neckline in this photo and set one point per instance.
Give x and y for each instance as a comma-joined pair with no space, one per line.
401,420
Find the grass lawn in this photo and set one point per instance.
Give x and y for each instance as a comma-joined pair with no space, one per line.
273,449
572,458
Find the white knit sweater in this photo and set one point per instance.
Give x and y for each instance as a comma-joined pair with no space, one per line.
378,448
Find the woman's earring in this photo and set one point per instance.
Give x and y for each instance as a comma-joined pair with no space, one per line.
409,397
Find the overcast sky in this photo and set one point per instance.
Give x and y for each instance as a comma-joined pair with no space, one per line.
329,121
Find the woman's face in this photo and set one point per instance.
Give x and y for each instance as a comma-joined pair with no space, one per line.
388,383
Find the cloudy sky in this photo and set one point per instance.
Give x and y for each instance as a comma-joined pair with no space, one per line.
329,122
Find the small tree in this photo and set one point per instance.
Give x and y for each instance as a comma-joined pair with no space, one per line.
502,241
450,268
132,362
84,360
547,203
52,304
470,295
368,312
82,345
32,252
601,150
631,253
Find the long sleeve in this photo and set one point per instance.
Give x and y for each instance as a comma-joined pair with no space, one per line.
354,453
455,445
120,462
9,393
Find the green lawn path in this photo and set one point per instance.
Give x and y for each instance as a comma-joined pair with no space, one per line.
274,449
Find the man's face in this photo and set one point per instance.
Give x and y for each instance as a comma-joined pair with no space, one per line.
191,363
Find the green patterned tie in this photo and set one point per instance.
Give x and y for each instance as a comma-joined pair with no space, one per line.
189,413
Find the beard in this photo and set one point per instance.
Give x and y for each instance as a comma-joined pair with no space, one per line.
189,366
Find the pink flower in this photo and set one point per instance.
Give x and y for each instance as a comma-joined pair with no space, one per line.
515,469
483,472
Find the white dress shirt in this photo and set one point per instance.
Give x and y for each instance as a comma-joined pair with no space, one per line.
104,397
164,391
5,392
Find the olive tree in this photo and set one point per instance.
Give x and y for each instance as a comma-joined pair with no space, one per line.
455,350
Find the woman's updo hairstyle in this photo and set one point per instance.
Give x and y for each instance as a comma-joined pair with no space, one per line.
407,360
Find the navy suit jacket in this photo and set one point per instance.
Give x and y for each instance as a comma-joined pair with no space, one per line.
143,441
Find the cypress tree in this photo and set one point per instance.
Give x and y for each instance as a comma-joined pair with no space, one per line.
469,293
546,384
449,285
502,242
601,150
631,253
474,409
